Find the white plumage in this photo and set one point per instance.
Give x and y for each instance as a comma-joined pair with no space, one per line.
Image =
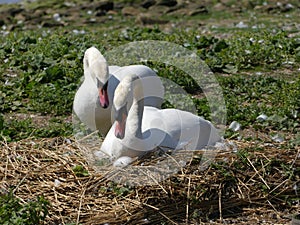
144,128
97,73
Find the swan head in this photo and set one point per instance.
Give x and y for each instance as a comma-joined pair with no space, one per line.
123,93
96,67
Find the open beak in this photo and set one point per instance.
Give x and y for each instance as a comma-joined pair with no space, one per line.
103,95
120,118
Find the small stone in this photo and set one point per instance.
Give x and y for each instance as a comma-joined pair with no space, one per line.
69,4
289,6
67,140
235,126
277,138
112,12
20,17
200,10
130,11
219,7
56,17
56,182
241,24
295,187
286,8
295,113
262,117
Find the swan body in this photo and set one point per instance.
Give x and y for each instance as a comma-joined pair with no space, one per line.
92,103
144,128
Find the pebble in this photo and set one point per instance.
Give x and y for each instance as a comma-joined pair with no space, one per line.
235,126
262,117
277,138
241,24
56,17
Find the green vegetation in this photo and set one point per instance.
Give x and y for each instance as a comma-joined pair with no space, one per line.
112,190
42,70
15,129
12,212
260,94
80,171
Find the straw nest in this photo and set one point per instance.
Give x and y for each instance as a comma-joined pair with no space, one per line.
255,184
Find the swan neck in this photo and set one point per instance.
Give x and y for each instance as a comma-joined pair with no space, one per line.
135,114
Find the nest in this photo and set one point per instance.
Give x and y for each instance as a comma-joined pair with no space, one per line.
257,183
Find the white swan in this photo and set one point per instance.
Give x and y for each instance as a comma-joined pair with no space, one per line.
144,128
99,85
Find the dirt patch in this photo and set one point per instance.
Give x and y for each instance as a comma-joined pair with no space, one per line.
179,14
38,120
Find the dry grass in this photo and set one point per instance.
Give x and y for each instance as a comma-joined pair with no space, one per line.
255,185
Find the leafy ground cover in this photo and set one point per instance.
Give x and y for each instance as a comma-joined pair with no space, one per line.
253,48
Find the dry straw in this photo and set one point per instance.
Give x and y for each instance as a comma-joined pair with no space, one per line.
241,188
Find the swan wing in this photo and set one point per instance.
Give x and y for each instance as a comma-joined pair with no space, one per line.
152,85
113,69
181,126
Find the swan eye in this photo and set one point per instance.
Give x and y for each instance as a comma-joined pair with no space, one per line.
120,112
105,86
99,83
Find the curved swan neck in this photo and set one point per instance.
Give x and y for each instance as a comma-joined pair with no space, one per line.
135,114
95,65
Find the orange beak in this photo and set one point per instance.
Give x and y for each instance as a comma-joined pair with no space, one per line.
120,118
103,96
120,127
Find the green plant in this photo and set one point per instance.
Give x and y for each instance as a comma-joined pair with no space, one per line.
12,212
115,189
252,49
249,96
17,129
80,171
42,70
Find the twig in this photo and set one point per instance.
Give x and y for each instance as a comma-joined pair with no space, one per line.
21,181
295,159
168,218
80,204
139,203
188,201
220,201
155,181
278,185
258,173
273,207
